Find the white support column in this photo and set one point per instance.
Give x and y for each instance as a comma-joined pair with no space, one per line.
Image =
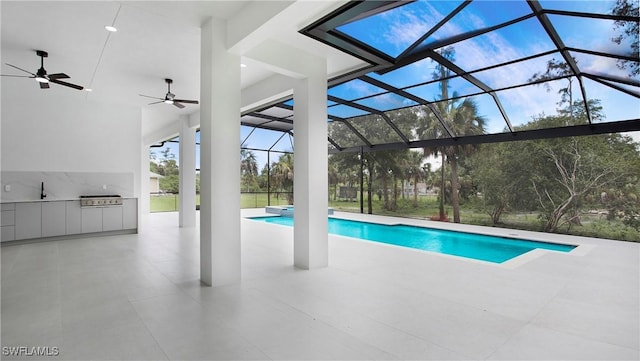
219,158
187,174
144,207
310,244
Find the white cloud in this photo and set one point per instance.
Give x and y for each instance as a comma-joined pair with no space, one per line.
521,103
408,26
600,65
361,88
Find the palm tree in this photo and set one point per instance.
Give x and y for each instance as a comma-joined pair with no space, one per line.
462,118
388,168
248,167
282,171
334,176
414,172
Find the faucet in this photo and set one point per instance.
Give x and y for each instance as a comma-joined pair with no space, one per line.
43,195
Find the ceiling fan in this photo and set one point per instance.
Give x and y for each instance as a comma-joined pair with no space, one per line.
42,77
170,98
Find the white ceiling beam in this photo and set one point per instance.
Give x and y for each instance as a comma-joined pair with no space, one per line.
262,20
285,59
255,23
267,91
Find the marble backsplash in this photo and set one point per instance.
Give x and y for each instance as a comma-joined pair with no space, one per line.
25,186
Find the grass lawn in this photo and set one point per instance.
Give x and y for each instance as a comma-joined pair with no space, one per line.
592,226
164,203
171,202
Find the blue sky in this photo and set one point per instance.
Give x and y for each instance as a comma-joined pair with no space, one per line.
393,31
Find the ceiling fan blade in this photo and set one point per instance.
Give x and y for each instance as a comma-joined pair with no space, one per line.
58,76
186,101
177,105
26,71
17,76
146,96
44,85
60,82
162,101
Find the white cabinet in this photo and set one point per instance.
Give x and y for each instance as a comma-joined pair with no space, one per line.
91,220
8,233
112,218
28,220
101,219
130,213
54,218
8,220
34,219
73,217
8,214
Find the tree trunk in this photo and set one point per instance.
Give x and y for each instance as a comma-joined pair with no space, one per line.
394,203
370,191
454,189
554,220
442,215
369,196
415,192
385,194
496,213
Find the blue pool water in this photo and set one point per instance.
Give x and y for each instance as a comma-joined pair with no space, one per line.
469,245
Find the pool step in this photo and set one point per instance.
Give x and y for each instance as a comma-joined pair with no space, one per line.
286,211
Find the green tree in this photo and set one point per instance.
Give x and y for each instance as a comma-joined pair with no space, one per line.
414,172
388,168
167,166
248,169
376,130
462,117
282,175
495,179
628,30
574,167
557,69
153,167
334,175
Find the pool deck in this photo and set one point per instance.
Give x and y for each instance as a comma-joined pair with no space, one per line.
138,297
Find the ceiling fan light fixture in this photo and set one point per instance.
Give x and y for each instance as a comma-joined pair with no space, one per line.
111,28
170,98
41,79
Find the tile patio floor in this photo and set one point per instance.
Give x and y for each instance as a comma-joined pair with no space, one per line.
137,297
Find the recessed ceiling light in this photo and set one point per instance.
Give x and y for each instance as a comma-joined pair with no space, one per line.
111,28
88,89
243,65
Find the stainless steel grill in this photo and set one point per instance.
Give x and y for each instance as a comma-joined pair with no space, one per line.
100,200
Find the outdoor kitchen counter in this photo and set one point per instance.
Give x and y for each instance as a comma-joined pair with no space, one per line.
5,201
49,219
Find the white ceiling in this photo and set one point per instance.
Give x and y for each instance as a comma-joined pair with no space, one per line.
155,40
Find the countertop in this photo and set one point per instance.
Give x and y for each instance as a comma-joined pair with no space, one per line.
48,200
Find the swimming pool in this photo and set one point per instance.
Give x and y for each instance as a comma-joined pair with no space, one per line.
463,244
